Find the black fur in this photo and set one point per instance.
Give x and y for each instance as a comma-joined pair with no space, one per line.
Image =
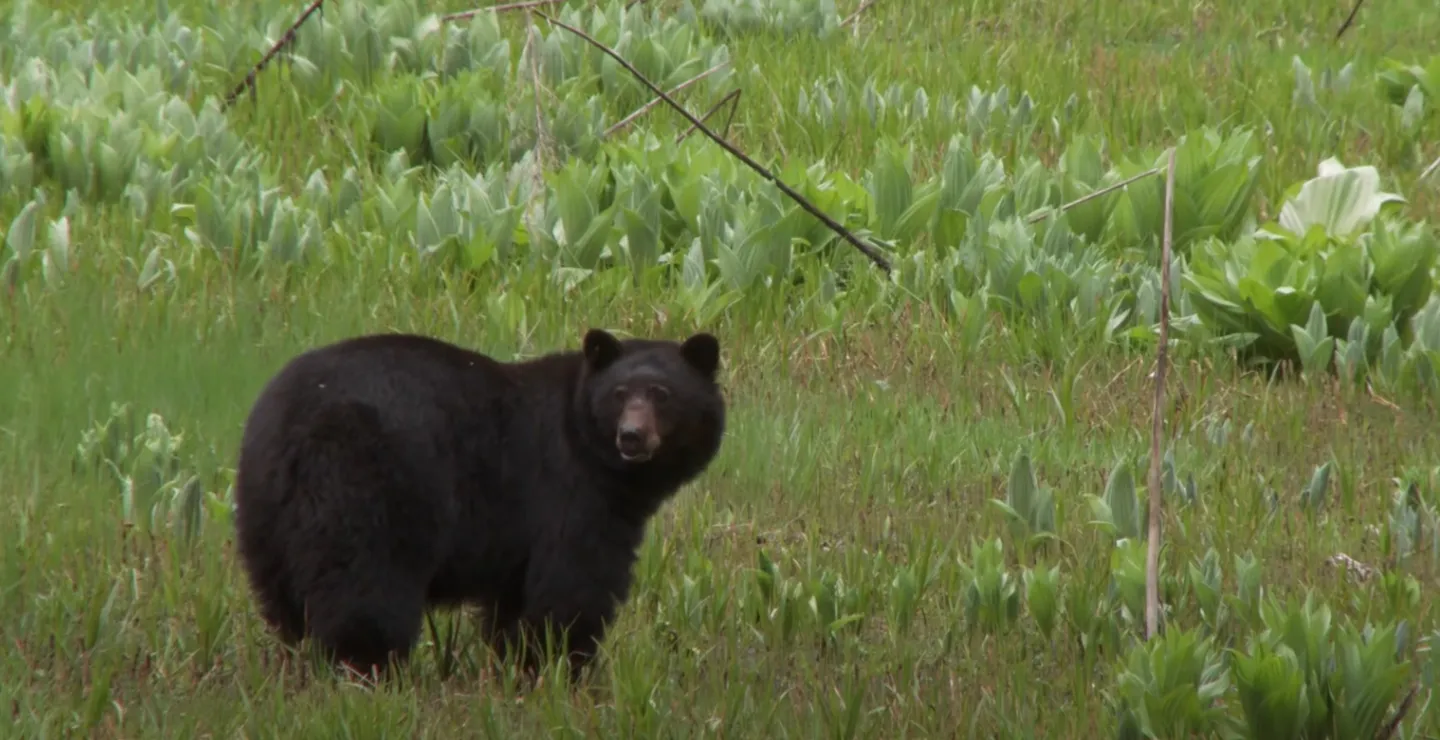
383,475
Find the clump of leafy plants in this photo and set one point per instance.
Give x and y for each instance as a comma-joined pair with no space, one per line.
1336,256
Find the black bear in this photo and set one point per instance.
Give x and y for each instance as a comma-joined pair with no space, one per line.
387,474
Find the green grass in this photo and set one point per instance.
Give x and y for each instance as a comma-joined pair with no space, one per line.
867,435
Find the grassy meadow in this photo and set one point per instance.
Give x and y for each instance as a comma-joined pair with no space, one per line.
927,518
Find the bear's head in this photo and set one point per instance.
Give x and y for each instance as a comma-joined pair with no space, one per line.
653,404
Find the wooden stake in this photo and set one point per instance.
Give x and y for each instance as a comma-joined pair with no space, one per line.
1157,425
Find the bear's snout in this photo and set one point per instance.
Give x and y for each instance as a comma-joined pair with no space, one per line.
635,436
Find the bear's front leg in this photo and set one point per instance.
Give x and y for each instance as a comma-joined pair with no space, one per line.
573,591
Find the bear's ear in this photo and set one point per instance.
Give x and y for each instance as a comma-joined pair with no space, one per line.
702,351
601,349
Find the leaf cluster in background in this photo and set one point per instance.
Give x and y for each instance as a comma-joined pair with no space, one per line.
1335,265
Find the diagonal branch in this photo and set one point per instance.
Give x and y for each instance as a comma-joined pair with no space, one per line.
1388,731
856,15
1041,216
733,95
286,39
627,120
468,14
1432,168
1349,20
866,249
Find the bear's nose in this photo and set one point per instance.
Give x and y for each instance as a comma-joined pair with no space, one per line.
633,443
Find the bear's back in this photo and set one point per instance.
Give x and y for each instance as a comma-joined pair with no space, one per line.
418,389
392,372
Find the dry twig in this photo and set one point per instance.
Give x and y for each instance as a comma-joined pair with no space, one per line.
627,120
541,153
468,14
542,135
1157,425
1349,20
286,39
856,15
732,95
1428,170
1393,726
1037,218
1377,398
866,249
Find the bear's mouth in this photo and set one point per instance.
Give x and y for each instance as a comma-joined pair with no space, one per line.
634,447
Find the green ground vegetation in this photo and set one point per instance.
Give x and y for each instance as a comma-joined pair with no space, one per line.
927,519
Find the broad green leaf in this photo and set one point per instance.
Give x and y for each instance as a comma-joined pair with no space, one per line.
1020,491
1011,515
59,251
1391,354
1030,289
1354,356
1413,112
1314,355
150,272
1082,163
427,234
956,172
1316,325
20,237
891,189
643,241
1042,597
921,212
1404,258
1313,498
480,251
1304,95
1272,692
1342,200
1225,196
1205,578
1035,188
1344,282
693,268
1121,499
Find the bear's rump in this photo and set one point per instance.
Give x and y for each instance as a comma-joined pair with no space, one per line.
347,494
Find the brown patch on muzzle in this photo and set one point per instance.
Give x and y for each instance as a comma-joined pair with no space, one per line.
636,436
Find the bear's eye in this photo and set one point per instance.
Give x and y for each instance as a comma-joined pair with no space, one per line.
659,393
620,393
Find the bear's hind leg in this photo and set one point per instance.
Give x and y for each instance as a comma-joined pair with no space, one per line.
369,525
365,619
269,578
282,613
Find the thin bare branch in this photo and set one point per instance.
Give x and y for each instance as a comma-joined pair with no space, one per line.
542,135
1349,20
1037,218
866,249
468,14
853,16
1377,398
286,39
642,110
1393,726
732,95
1429,170
539,156
1157,424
